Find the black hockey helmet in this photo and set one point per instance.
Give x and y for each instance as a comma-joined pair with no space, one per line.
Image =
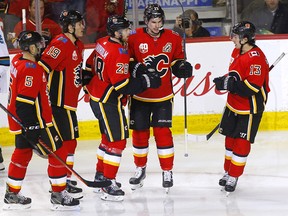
153,11
115,23
27,38
69,18
245,29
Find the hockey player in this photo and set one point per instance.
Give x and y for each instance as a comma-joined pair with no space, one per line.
162,49
247,85
29,102
108,90
62,60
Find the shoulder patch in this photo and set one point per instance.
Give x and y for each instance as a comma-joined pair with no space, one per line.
133,32
123,51
254,53
63,39
30,65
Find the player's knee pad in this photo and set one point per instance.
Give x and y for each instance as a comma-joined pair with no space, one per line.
70,145
21,157
163,136
140,137
117,146
229,143
61,153
242,147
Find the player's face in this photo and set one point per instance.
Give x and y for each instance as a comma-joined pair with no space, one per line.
236,40
125,34
154,26
79,29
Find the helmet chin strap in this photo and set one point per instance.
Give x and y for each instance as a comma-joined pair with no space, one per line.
121,38
73,33
241,47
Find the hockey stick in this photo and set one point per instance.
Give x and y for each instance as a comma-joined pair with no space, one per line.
24,19
86,182
198,138
185,90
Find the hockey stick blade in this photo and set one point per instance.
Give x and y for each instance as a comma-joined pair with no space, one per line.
200,138
86,182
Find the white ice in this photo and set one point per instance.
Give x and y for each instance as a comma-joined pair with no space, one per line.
261,191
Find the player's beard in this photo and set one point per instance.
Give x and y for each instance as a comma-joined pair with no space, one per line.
153,33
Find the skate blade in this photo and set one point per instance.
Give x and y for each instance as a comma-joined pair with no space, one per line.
228,194
108,197
167,190
58,207
97,190
137,186
15,206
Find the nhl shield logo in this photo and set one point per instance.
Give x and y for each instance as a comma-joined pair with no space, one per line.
143,48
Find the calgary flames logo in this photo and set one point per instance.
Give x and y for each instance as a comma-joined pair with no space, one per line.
159,62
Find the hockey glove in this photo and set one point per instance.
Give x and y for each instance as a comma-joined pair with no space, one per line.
224,83
186,70
182,69
86,77
137,69
151,80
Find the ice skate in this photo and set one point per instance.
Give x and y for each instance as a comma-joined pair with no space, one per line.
74,191
73,182
231,185
113,192
13,201
137,180
62,201
100,177
223,180
167,177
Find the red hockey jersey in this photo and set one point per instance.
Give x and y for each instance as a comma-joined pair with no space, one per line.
28,84
111,65
63,61
252,69
158,53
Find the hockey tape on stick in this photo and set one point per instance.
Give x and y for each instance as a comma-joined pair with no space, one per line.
24,19
199,138
86,182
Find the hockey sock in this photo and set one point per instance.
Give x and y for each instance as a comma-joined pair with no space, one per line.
101,152
229,144
70,146
241,151
165,147
17,168
112,158
56,171
140,146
